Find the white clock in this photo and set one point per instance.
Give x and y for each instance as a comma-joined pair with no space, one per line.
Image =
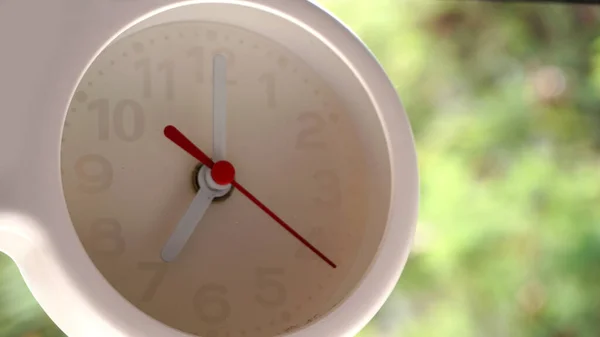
214,168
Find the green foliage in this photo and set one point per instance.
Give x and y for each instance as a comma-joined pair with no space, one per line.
20,315
503,101
502,98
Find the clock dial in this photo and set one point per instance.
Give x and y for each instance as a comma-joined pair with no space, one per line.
292,143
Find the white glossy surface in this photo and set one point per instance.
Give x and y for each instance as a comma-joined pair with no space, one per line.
219,108
40,71
191,219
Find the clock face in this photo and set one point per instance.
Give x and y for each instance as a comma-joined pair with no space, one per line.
128,186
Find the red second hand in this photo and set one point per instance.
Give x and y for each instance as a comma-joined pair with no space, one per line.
183,142
282,223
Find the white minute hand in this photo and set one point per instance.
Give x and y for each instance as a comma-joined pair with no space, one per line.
219,107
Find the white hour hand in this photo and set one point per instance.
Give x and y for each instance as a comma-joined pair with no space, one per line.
188,223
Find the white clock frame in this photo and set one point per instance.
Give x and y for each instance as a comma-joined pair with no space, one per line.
47,46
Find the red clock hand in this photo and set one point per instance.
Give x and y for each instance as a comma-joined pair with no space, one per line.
183,142
282,223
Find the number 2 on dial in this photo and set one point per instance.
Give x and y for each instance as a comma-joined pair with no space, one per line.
310,137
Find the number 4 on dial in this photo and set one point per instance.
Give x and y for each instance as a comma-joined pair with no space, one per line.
314,236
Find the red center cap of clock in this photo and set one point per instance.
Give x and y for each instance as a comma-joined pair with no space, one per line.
223,172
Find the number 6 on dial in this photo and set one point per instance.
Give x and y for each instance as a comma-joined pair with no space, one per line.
272,291
211,304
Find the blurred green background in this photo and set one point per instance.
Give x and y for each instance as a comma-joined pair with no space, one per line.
504,105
